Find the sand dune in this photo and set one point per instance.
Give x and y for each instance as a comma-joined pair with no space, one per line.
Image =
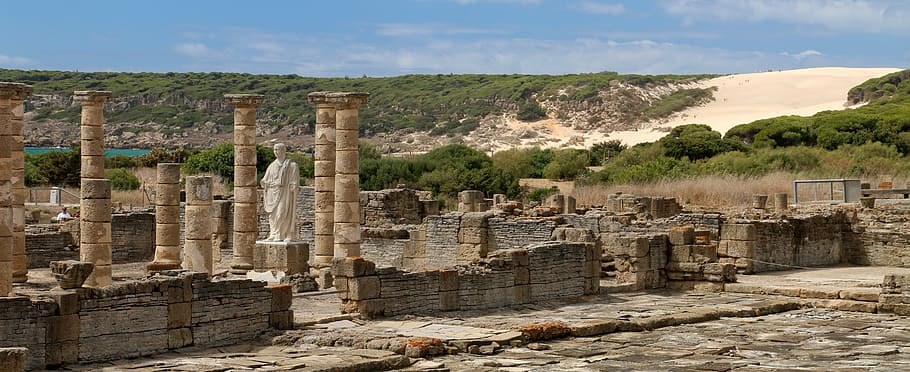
744,98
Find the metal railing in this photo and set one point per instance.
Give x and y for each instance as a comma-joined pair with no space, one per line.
838,190
55,196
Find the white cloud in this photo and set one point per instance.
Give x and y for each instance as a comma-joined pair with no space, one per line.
13,60
196,50
602,8
841,15
427,29
520,2
306,54
804,54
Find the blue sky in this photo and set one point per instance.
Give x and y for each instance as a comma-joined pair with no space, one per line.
396,37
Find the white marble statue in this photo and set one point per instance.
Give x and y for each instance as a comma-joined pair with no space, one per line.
280,184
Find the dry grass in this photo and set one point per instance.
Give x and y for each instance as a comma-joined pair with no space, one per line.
713,192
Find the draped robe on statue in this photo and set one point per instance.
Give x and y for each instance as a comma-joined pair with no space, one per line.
280,184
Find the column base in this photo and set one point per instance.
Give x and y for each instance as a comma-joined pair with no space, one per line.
241,268
157,267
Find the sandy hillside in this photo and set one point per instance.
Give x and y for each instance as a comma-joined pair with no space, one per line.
744,98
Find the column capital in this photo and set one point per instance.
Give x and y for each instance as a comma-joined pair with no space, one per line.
16,91
339,98
91,96
241,100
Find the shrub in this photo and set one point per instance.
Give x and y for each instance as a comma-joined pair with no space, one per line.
567,164
121,179
531,111
541,194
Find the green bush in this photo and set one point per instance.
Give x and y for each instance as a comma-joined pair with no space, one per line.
55,168
119,161
567,164
531,111
516,162
603,151
121,179
696,141
219,160
541,194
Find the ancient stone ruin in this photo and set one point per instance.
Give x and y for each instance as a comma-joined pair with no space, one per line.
394,254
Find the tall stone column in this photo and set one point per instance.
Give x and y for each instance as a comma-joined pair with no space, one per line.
95,209
95,229
324,164
246,194
167,219
17,181
92,128
7,92
347,173
197,243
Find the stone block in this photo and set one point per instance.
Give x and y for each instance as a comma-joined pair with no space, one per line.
682,235
63,328
352,267
448,300
13,359
179,337
363,287
95,188
702,237
368,308
282,297
738,248
685,267
738,232
96,210
704,253
61,353
471,235
167,194
680,253
67,301
522,276
282,319
521,294
71,274
448,280
179,315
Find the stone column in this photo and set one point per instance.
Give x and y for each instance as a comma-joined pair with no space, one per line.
95,210
324,163
95,229
197,243
7,92
221,228
92,144
347,173
167,219
17,183
246,194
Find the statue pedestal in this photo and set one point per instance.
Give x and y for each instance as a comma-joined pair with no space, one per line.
289,257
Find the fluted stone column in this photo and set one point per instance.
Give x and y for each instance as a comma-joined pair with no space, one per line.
347,173
246,195
197,243
95,229
324,164
95,210
17,183
167,219
7,92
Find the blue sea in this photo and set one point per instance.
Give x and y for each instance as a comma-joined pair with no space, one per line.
107,152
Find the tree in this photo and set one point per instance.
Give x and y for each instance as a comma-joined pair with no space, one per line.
696,141
567,164
516,162
603,151
531,111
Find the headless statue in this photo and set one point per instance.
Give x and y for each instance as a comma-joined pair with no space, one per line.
280,184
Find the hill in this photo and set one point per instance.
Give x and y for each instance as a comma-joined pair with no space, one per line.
405,113
744,98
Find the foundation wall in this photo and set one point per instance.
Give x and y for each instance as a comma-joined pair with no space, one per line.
509,277
132,236
773,245
505,234
140,318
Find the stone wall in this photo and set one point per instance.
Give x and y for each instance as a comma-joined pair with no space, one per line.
132,236
442,240
386,247
773,245
881,247
642,206
137,318
543,272
513,234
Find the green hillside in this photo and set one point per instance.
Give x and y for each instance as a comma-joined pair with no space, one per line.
421,102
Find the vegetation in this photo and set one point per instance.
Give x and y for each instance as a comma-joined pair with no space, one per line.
121,179
446,104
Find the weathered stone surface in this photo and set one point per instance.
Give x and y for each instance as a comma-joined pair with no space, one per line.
71,274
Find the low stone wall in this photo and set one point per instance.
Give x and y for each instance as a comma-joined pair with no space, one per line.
385,247
772,245
881,247
514,234
543,272
137,318
132,237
